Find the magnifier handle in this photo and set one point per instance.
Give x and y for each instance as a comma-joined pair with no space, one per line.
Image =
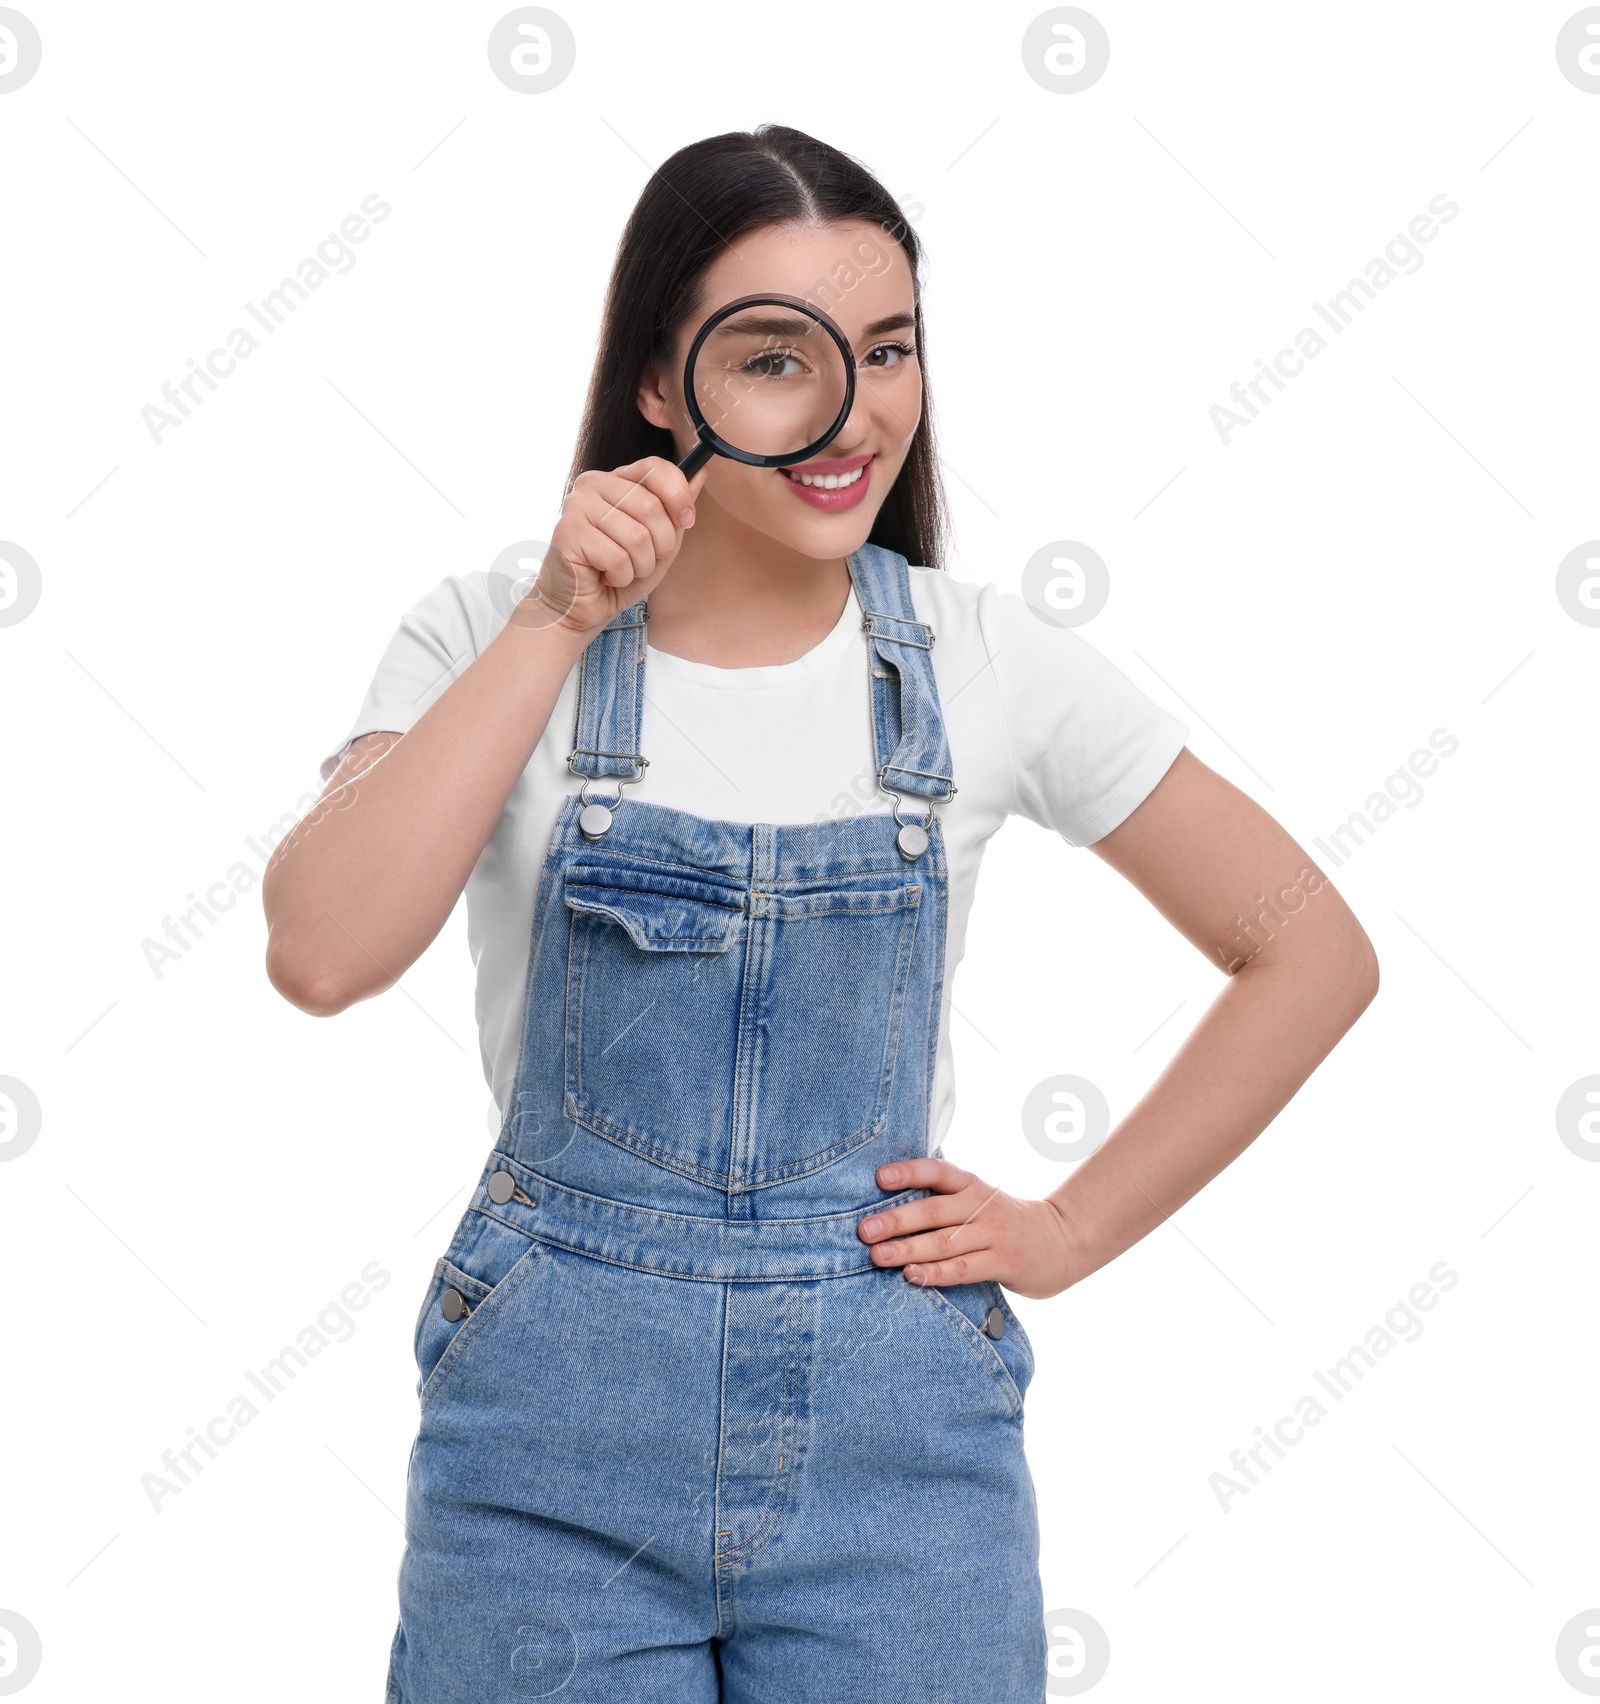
695,460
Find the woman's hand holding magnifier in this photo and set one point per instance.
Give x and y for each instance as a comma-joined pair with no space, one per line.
618,534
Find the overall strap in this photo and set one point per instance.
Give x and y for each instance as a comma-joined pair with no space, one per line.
908,735
909,744
610,692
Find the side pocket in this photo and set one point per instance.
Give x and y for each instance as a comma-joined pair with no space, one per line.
1021,1359
486,1262
435,1325
1007,1359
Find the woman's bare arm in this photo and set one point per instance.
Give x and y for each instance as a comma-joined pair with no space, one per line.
363,884
366,880
1211,861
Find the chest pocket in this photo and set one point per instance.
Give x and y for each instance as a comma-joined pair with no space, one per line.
741,1038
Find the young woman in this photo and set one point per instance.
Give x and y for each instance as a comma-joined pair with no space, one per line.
721,1395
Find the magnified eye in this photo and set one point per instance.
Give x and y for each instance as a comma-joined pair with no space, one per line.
773,364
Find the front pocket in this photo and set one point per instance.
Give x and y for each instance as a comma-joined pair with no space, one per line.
1006,1361
740,1037
437,1324
662,911
486,1262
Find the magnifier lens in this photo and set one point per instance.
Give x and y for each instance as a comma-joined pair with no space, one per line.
769,380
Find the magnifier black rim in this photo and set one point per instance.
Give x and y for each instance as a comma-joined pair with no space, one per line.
709,435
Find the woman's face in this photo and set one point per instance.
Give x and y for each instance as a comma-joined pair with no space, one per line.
859,276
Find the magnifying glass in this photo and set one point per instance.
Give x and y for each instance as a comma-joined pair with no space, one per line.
768,381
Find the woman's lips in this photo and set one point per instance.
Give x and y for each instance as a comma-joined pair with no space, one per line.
842,496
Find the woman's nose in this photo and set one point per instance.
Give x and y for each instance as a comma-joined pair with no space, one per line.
856,426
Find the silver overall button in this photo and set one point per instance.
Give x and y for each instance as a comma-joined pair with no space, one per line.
994,1323
912,840
452,1304
594,820
502,1186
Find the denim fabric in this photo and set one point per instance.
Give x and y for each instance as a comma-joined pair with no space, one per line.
905,704
684,1441
611,691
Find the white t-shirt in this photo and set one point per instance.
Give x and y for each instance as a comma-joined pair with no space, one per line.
1040,725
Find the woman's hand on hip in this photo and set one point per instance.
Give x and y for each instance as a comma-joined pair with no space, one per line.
618,534
968,1231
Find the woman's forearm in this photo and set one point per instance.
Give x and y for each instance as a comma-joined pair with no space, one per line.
1263,1035
358,890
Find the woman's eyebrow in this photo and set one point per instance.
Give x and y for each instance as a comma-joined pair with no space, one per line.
890,322
769,325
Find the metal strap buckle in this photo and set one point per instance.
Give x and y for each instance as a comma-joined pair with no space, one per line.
912,840
867,617
640,762
594,818
929,774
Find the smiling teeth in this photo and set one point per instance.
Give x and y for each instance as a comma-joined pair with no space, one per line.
828,481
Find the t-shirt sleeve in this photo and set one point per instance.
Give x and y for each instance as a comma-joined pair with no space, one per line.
1087,744
436,639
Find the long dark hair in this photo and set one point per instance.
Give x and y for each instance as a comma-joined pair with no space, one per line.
706,196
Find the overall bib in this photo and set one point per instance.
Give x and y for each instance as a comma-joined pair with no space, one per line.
680,1439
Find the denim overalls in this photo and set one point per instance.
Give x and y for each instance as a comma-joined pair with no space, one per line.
680,1439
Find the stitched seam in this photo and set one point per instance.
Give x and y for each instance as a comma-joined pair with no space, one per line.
632,686
936,979
553,1240
891,1041
757,957
461,1279
805,883
582,1113
577,959
906,899
510,1224
910,730
769,1175
699,1220
1013,1323
632,856
585,694
910,709
652,943
778,1495
624,1137
897,868
717,1570
576,881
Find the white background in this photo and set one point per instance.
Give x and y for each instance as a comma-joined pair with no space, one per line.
1374,558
